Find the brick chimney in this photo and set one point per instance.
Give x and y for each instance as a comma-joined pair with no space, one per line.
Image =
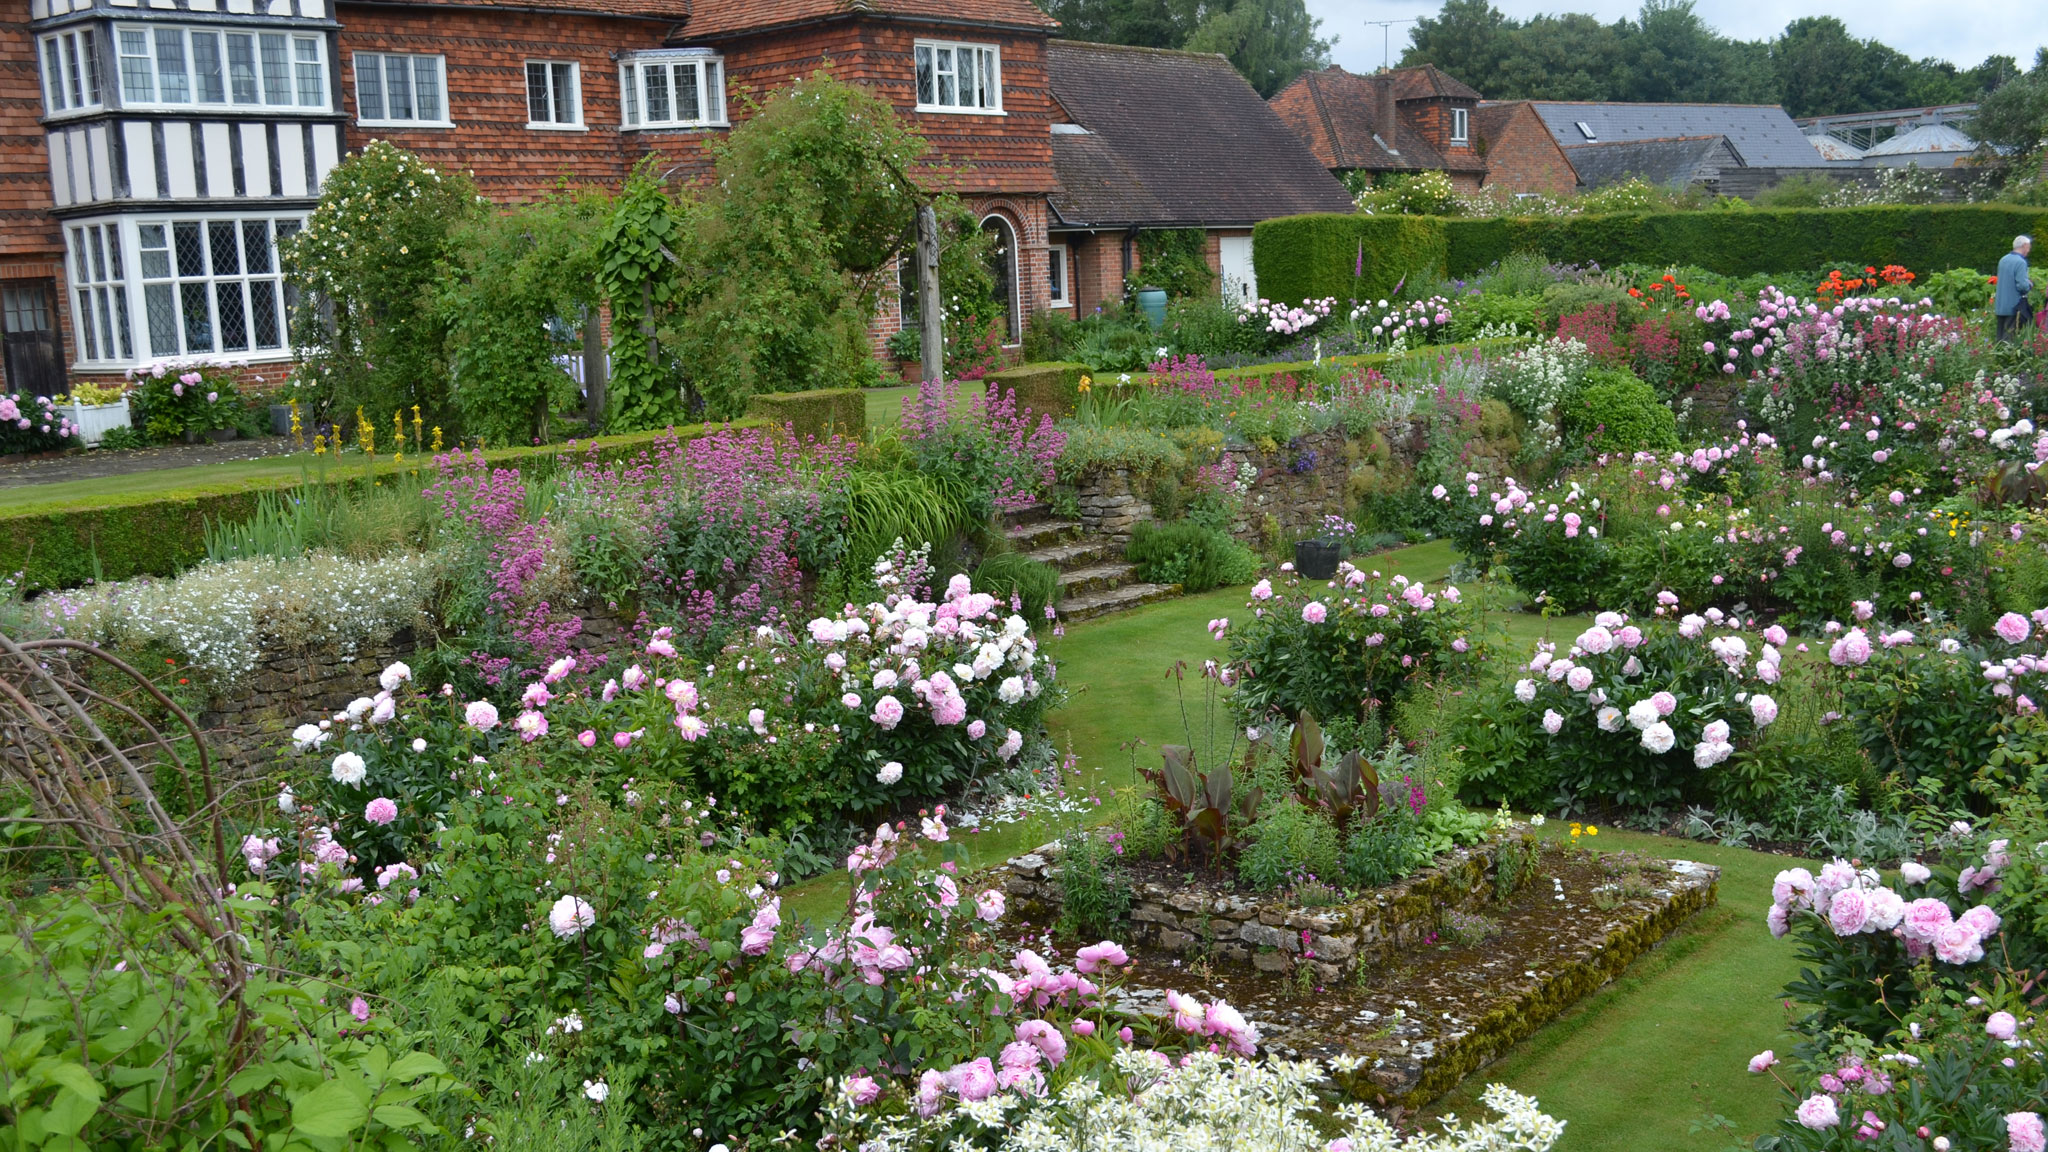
1386,119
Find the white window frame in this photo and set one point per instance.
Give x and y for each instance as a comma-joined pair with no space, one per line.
551,71
114,278
241,83
1059,288
70,64
645,75
383,71
1461,125
938,62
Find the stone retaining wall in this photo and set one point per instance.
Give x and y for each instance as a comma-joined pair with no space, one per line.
1271,934
1296,484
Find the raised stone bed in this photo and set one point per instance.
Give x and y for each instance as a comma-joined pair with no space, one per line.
1420,1008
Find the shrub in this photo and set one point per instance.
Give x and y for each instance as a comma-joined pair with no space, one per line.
1615,412
1194,557
179,398
820,413
367,267
1050,388
1000,457
1031,587
1333,654
33,424
1175,259
1287,840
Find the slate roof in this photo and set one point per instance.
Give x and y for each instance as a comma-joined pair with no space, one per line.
1672,162
1337,113
709,18
1762,134
1174,139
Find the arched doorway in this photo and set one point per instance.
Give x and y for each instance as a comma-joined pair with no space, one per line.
1002,265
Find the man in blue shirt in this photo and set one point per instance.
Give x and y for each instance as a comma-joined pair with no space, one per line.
2013,286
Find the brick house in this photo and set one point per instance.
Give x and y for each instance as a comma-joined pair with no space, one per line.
1438,125
1154,139
160,148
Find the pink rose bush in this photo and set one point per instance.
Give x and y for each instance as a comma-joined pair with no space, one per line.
1631,713
1332,647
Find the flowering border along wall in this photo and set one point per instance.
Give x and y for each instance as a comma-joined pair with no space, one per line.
1414,1030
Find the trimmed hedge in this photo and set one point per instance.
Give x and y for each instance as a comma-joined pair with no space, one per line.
65,543
1302,257
821,413
1049,388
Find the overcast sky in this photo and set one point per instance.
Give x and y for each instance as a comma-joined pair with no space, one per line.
1962,31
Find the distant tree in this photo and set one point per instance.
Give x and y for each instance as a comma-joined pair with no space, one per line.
1471,40
1141,23
1270,41
2014,119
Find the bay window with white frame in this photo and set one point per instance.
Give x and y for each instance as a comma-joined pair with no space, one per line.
672,88
165,66
71,72
150,287
955,77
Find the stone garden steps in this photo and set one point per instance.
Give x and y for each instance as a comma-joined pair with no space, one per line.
1094,580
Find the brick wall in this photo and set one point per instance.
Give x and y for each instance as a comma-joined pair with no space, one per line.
1096,268
1522,156
31,243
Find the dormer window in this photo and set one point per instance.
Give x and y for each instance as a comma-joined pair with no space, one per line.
959,77
1461,125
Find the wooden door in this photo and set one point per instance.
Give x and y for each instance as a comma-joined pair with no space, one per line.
28,337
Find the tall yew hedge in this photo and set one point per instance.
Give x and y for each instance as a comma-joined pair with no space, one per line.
1359,257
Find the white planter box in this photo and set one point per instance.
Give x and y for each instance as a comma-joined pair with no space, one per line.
96,420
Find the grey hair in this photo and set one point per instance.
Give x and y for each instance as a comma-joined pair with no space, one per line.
2019,242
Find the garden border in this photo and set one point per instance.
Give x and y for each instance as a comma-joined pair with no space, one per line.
65,543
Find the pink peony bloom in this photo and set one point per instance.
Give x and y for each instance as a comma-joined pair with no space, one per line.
2001,1026
1314,612
481,715
974,1080
1849,912
1762,1060
988,905
380,811
862,1090
1044,1037
1096,956
2025,1131
2012,628
1818,1112
888,712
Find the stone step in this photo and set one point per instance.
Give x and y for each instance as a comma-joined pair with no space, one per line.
1093,604
1079,554
1096,578
1012,517
1042,533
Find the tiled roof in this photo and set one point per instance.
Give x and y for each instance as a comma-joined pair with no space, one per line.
1672,162
1336,113
704,18
675,10
1174,139
716,19
1763,134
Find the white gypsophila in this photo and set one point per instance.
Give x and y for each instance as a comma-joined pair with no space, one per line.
223,617
1213,1104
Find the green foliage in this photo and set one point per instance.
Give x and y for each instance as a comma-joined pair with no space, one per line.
1049,388
637,271
884,505
370,328
822,413
363,520
520,283
1615,412
812,198
1143,451
1314,255
1269,41
1034,583
188,398
1176,260
1289,838
1405,193
112,1035
1309,257
1190,555
1094,895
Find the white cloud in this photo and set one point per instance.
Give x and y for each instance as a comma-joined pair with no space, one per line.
1961,31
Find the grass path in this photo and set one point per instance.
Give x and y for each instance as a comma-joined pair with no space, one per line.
1642,1064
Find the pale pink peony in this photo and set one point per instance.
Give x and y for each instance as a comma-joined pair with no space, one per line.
1314,612
1926,919
2025,1131
1762,1060
1818,1112
2012,628
1105,954
2001,1026
1849,912
380,811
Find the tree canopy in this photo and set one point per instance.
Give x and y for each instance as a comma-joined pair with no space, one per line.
1668,53
1270,41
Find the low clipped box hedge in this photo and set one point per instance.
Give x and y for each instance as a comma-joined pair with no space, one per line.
821,413
1049,388
67,542
1361,257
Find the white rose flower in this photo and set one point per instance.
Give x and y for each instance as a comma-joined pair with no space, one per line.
1659,738
349,769
570,916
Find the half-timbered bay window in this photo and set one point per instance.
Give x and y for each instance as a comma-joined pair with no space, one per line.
958,77
99,277
182,66
675,88
71,72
